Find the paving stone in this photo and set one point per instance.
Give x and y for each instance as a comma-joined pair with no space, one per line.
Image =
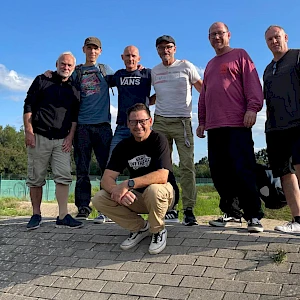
228,285
220,273
22,277
81,237
189,235
230,253
6,275
83,245
22,289
59,252
295,268
158,258
129,256
61,236
203,251
43,269
211,261
161,268
252,246
285,278
253,276
43,259
148,290
68,283
196,242
176,249
175,241
266,297
173,292
182,259
88,273
120,288
189,270
263,288
272,267
8,256
93,285
133,266
243,238
196,282
240,264
258,255
62,261
166,279
215,236
86,263
110,265
22,267
45,292
68,294
95,296
44,280
290,290
63,271
284,246
200,294
85,254
240,296
101,239
223,244
137,277
293,257
113,275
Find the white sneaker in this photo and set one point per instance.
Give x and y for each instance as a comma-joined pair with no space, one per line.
158,242
135,237
290,227
100,219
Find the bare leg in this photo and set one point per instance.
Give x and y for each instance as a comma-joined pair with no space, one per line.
291,190
62,192
36,199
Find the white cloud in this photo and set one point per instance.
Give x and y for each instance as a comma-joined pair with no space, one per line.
11,80
114,112
259,127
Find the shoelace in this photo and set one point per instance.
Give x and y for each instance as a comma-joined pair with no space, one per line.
156,236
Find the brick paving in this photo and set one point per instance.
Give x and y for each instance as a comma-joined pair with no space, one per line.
199,262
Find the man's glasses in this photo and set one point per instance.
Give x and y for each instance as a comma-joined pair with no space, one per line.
135,122
274,68
213,35
162,48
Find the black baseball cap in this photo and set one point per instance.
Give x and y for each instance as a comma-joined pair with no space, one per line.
164,38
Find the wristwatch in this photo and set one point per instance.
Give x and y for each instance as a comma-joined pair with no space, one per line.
131,183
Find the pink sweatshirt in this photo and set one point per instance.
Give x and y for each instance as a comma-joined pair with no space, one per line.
230,87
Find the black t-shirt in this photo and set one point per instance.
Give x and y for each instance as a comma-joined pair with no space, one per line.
142,158
282,92
133,87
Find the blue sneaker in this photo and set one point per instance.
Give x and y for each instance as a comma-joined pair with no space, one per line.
34,222
100,219
68,222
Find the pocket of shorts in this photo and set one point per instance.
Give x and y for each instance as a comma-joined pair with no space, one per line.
30,168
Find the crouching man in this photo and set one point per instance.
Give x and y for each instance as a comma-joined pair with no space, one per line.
146,154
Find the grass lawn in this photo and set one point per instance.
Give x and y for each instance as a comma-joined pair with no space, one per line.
207,204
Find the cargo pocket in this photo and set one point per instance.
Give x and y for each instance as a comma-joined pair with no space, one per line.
30,168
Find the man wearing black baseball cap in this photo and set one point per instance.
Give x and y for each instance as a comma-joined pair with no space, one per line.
173,80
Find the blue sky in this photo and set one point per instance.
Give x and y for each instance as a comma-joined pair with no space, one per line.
34,33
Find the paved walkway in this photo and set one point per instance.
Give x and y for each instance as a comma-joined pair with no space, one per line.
198,263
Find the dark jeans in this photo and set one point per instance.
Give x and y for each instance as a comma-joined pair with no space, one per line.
232,165
95,137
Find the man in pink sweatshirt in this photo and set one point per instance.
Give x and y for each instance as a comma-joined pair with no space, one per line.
230,98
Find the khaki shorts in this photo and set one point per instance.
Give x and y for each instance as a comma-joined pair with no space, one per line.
46,151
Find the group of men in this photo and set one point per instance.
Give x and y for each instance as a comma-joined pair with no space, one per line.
74,102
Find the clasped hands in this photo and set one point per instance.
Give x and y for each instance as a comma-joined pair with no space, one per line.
122,195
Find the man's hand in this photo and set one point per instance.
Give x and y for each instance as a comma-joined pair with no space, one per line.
48,73
29,139
119,191
249,118
128,198
67,144
140,67
200,131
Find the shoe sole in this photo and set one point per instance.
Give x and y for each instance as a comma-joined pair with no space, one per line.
66,226
134,244
288,232
158,250
255,230
227,224
171,221
35,227
190,224
81,218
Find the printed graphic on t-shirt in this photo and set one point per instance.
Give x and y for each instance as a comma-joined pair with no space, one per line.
130,80
165,77
223,68
141,161
90,83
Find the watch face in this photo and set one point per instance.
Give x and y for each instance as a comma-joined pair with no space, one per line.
131,183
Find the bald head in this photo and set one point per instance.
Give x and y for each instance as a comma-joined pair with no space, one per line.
131,58
218,24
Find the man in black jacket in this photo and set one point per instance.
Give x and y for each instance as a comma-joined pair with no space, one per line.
50,118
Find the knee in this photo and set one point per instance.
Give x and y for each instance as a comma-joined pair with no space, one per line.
101,200
157,192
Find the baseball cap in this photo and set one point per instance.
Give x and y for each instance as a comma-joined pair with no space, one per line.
92,41
164,38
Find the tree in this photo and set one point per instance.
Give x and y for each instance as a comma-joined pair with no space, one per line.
262,157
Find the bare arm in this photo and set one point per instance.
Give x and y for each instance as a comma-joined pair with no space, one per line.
29,135
198,85
152,99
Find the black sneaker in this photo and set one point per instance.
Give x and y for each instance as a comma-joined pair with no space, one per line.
171,216
254,225
68,222
83,213
189,217
34,222
225,220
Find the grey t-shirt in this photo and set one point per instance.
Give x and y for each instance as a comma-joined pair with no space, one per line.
282,92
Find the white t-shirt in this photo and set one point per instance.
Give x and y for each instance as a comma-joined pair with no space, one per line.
173,88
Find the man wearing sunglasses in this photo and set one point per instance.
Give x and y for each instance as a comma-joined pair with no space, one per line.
282,94
173,81
230,98
146,154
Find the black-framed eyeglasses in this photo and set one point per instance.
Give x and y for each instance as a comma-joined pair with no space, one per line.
162,48
274,67
213,35
135,122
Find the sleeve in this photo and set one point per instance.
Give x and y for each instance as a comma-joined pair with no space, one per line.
112,79
201,105
251,83
75,106
117,162
32,95
194,75
109,70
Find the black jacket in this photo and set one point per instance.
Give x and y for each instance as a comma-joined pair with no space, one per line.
54,105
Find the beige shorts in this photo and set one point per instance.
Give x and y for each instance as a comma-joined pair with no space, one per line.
46,151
